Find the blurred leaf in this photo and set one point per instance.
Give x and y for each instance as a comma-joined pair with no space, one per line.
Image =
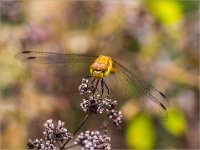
176,123
132,45
167,12
190,6
140,132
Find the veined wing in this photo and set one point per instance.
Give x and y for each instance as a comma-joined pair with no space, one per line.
75,64
52,58
152,99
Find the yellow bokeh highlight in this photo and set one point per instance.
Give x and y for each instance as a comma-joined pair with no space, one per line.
167,11
140,133
175,124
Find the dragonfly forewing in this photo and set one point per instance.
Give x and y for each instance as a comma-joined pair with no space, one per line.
72,64
52,58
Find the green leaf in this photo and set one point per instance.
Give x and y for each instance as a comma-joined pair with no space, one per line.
140,132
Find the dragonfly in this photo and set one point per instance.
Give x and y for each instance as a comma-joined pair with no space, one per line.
100,67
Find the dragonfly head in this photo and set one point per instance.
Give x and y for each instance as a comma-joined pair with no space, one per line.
98,70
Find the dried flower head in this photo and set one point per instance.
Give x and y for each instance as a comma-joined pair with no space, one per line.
115,117
55,132
96,104
40,145
85,88
93,140
93,104
110,104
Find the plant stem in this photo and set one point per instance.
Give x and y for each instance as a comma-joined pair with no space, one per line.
70,146
79,127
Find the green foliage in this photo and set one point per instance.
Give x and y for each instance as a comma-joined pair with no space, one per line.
140,132
167,12
190,6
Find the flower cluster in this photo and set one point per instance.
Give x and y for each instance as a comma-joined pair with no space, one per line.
93,140
96,104
84,88
115,117
91,104
40,145
53,133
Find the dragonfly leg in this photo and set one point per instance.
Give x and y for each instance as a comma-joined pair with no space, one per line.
96,86
108,90
102,86
92,86
93,82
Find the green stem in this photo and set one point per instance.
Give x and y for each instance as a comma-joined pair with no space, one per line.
79,127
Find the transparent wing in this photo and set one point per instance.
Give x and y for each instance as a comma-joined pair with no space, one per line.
75,62
151,99
52,58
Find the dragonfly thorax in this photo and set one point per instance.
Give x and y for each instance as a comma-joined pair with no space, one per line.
101,67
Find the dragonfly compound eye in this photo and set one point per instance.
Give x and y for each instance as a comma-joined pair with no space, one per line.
103,67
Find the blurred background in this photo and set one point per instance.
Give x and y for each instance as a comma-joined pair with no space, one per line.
157,39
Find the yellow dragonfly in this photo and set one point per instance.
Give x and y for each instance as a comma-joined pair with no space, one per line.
100,67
